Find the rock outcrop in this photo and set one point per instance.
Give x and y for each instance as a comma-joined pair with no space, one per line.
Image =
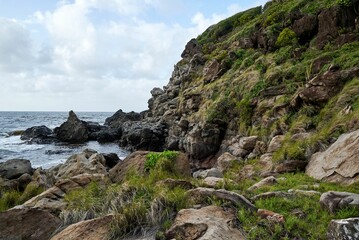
72,131
208,223
343,229
39,135
339,163
14,168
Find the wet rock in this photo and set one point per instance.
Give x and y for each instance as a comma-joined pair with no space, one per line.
339,163
334,201
29,223
208,223
39,135
93,229
343,229
72,131
14,168
120,117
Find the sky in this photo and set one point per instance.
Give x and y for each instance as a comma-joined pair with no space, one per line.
96,55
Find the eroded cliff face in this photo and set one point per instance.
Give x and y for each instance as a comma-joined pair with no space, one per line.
286,69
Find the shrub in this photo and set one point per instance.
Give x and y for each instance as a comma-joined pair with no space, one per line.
152,159
345,3
287,37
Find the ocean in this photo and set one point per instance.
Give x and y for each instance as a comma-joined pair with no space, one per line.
47,155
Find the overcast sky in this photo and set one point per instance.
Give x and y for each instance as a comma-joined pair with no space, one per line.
96,55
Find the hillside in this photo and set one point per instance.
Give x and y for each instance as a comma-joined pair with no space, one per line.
255,136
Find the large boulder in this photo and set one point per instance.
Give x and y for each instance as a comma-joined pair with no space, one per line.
73,130
339,163
334,201
93,229
86,162
38,134
27,223
305,28
207,223
136,162
120,117
344,229
14,168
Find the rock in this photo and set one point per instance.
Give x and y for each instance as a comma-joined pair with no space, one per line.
29,223
111,159
72,131
14,168
107,135
213,182
136,162
271,216
93,229
275,143
267,195
192,48
39,135
226,161
85,162
339,163
213,172
211,71
120,117
18,184
44,178
248,143
207,223
336,200
290,166
309,193
264,182
305,28
343,229
202,194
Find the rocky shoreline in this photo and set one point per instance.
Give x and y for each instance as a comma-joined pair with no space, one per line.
254,137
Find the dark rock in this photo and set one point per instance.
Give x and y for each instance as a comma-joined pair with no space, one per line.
246,43
108,135
14,168
73,130
319,63
120,117
37,131
211,71
331,20
111,159
305,28
343,229
192,48
291,166
155,92
28,223
334,201
174,183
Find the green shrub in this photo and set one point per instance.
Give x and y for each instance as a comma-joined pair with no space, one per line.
287,37
345,3
152,159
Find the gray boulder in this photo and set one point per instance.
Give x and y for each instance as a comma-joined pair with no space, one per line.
336,200
343,229
14,168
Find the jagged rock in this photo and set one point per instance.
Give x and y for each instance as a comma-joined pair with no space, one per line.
211,71
43,178
111,159
28,223
93,229
192,48
39,135
331,20
106,135
155,92
248,143
339,163
120,117
202,194
275,143
305,28
343,229
271,216
136,162
213,172
14,168
18,184
85,162
226,161
336,200
72,131
264,182
322,87
208,223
